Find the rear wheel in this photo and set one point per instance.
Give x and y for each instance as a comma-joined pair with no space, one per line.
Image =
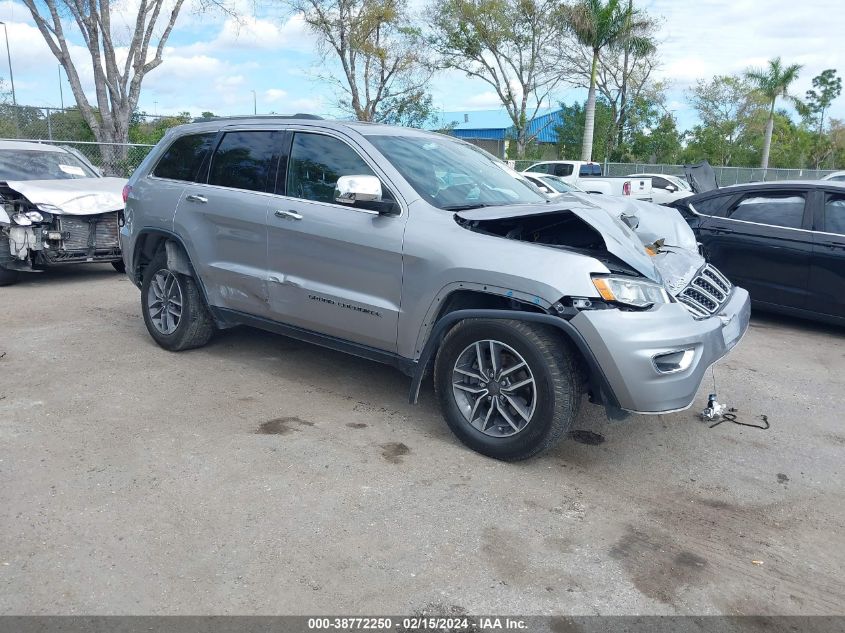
508,389
8,277
173,307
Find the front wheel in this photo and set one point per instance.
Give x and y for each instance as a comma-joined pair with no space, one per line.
174,310
508,389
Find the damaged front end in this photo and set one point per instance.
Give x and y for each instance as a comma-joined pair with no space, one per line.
36,235
662,316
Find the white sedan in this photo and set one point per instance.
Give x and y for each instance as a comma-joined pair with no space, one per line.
666,188
837,176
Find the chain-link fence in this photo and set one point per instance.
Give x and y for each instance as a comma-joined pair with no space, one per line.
724,175
66,127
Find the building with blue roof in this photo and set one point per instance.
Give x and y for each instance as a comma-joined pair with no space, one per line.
493,129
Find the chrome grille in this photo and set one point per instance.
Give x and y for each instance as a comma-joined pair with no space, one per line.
76,231
706,293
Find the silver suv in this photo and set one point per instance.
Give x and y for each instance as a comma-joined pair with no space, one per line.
424,252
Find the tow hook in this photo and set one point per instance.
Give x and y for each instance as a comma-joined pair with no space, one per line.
713,410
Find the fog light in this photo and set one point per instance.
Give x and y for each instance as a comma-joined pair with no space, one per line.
672,362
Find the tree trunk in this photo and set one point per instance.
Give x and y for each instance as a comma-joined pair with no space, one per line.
767,140
590,114
520,144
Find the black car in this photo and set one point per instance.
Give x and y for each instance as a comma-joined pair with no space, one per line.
782,241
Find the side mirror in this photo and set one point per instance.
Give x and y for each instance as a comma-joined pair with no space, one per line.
670,188
364,192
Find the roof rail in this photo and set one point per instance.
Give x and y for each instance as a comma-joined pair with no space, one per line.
240,117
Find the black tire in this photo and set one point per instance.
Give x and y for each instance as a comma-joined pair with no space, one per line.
552,363
195,325
119,266
8,277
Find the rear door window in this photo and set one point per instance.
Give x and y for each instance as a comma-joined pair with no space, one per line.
784,209
246,160
834,213
183,158
316,162
588,170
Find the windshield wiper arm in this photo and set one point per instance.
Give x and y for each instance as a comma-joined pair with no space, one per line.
463,207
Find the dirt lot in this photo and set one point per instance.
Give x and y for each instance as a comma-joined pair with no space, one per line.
263,475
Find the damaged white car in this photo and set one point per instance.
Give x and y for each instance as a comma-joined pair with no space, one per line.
55,209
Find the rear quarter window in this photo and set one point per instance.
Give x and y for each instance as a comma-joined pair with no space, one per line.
182,160
715,205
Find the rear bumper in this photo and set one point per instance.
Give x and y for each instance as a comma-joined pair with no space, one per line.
626,343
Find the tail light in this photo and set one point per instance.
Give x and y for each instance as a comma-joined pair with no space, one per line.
626,189
127,189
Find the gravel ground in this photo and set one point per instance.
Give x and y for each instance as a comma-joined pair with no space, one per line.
263,475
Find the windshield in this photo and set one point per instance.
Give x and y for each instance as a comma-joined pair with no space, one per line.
561,186
16,164
452,175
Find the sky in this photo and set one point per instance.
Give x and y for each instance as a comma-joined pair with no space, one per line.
269,62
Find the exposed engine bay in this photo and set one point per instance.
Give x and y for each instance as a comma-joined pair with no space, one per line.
34,235
629,237
562,229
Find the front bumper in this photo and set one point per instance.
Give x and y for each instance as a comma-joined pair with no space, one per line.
625,344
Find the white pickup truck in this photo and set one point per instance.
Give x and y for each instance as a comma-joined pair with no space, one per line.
588,176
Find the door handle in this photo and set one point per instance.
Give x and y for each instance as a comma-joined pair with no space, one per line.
288,215
722,232
193,197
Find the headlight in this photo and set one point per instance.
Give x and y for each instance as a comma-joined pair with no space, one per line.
632,292
21,219
34,216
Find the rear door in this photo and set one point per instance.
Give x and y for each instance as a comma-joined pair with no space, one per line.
226,218
333,268
827,271
763,243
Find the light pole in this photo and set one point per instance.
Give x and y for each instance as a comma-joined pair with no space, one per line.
254,103
9,57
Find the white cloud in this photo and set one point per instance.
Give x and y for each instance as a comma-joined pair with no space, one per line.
274,94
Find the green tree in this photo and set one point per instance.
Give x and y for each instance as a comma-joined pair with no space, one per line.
773,82
726,105
599,25
661,144
826,88
409,112
511,45
383,65
570,132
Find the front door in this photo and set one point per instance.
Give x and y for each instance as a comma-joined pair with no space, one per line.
827,272
764,245
333,269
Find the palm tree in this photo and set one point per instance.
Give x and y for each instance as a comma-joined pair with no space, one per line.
771,83
598,25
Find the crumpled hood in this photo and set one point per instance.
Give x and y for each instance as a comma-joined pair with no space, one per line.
619,239
73,196
654,222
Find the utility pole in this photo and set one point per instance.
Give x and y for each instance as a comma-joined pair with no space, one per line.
9,57
254,103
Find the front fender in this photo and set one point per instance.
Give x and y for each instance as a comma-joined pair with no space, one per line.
602,391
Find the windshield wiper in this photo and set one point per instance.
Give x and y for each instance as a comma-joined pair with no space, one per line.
463,207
